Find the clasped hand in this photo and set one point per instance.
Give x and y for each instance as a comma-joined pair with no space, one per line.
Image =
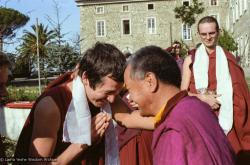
99,124
211,99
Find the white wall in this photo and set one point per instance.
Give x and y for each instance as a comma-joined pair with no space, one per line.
12,121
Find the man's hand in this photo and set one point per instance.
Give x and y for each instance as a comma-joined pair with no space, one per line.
210,99
132,103
174,45
99,124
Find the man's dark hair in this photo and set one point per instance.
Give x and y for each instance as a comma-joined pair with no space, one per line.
177,42
158,61
208,19
4,60
101,60
127,55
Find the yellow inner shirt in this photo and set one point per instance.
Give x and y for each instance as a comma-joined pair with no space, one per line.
158,116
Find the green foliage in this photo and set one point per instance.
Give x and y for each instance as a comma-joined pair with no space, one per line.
22,93
187,14
22,67
29,45
10,20
248,82
227,41
62,57
28,49
9,146
184,49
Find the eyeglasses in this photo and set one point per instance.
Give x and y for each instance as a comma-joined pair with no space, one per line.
211,34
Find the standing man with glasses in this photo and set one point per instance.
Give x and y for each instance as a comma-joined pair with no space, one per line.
212,74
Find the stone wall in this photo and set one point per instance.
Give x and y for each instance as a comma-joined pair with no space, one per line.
138,14
241,32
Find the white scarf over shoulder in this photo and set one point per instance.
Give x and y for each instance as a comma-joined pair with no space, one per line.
224,83
77,124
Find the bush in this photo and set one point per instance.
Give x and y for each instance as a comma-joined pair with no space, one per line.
9,146
22,93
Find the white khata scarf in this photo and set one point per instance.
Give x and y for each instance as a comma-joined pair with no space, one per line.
77,124
224,83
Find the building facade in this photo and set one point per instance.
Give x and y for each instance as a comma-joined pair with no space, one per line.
132,24
239,16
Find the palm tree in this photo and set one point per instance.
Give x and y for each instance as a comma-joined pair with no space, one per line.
28,48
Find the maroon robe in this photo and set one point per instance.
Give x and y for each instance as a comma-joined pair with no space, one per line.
62,97
189,134
135,144
239,136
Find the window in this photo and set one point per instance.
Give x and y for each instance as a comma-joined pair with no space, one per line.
126,26
245,5
228,22
151,6
186,32
151,25
238,43
125,8
241,46
213,2
233,14
241,7
247,50
100,28
236,10
99,10
185,2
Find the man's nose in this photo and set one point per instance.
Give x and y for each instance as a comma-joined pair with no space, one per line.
111,98
208,36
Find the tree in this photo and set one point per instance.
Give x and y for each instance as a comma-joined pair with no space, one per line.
57,24
187,13
28,48
10,20
62,58
22,67
227,41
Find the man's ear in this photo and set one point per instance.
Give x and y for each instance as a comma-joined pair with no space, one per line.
85,79
151,81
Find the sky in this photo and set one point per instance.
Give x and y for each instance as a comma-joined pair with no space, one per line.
41,9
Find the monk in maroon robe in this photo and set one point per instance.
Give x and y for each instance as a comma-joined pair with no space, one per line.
187,131
239,135
241,100
101,73
59,92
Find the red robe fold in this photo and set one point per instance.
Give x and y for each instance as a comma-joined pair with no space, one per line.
239,136
135,144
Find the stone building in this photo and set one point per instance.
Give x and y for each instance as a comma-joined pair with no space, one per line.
239,15
132,24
